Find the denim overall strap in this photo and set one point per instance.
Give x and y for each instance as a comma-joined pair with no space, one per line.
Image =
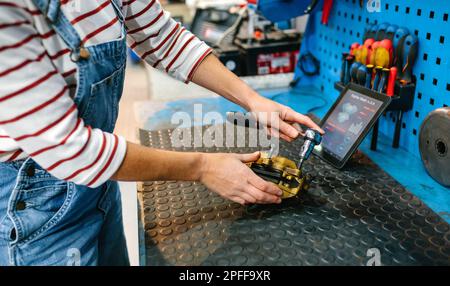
43,219
51,10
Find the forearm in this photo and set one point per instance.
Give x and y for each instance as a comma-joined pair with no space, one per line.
213,75
148,164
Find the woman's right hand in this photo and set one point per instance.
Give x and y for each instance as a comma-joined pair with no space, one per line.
227,175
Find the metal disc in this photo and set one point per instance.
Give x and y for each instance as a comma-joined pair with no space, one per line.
434,145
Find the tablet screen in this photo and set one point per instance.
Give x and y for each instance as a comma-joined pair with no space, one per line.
346,123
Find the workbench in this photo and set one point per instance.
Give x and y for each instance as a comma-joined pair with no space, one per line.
344,219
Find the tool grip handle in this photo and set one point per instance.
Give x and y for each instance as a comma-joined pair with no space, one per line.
391,82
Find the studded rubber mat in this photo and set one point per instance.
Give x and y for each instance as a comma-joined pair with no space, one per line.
346,218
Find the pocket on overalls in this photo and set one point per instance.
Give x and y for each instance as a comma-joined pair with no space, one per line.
40,208
103,105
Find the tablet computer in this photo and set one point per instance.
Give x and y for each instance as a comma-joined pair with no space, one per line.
348,121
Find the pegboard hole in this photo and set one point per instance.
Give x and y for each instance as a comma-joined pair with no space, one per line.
445,18
425,56
428,36
407,10
417,114
419,12
386,6
441,39
435,81
431,101
416,32
448,86
441,147
438,61
396,8
414,132
431,14
422,76
419,95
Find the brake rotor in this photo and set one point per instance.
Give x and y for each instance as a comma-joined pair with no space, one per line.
434,145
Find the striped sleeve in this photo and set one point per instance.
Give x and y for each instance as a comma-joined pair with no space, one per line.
38,114
161,41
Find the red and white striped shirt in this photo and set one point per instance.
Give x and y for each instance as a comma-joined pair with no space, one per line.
38,117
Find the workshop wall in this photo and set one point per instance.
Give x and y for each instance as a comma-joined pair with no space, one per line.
429,21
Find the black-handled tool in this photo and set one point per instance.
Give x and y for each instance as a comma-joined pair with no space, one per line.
399,38
409,54
361,75
349,59
377,78
354,71
384,79
369,69
381,32
312,138
343,67
390,32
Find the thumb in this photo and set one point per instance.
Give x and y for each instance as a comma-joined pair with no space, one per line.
251,157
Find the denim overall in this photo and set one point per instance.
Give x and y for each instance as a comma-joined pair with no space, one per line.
47,221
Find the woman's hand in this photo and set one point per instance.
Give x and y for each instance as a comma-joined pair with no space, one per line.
283,126
227,175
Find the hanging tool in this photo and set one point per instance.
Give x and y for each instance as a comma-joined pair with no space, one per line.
391,82
354,71
371,54
409,54
371,32
383,81
312,138
399,37
381,32
361,75
384,53
369,70
377,78
366,51
327,4
390,32
350,59
353,48
343,67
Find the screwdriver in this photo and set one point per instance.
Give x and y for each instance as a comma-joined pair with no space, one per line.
343,67
384,76
376,81
361,75
369,76
354,71
349,59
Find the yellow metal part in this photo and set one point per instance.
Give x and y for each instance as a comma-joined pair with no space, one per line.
292,181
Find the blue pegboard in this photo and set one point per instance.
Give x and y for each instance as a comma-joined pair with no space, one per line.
347,23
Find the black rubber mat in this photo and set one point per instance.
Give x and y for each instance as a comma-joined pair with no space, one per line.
340,221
